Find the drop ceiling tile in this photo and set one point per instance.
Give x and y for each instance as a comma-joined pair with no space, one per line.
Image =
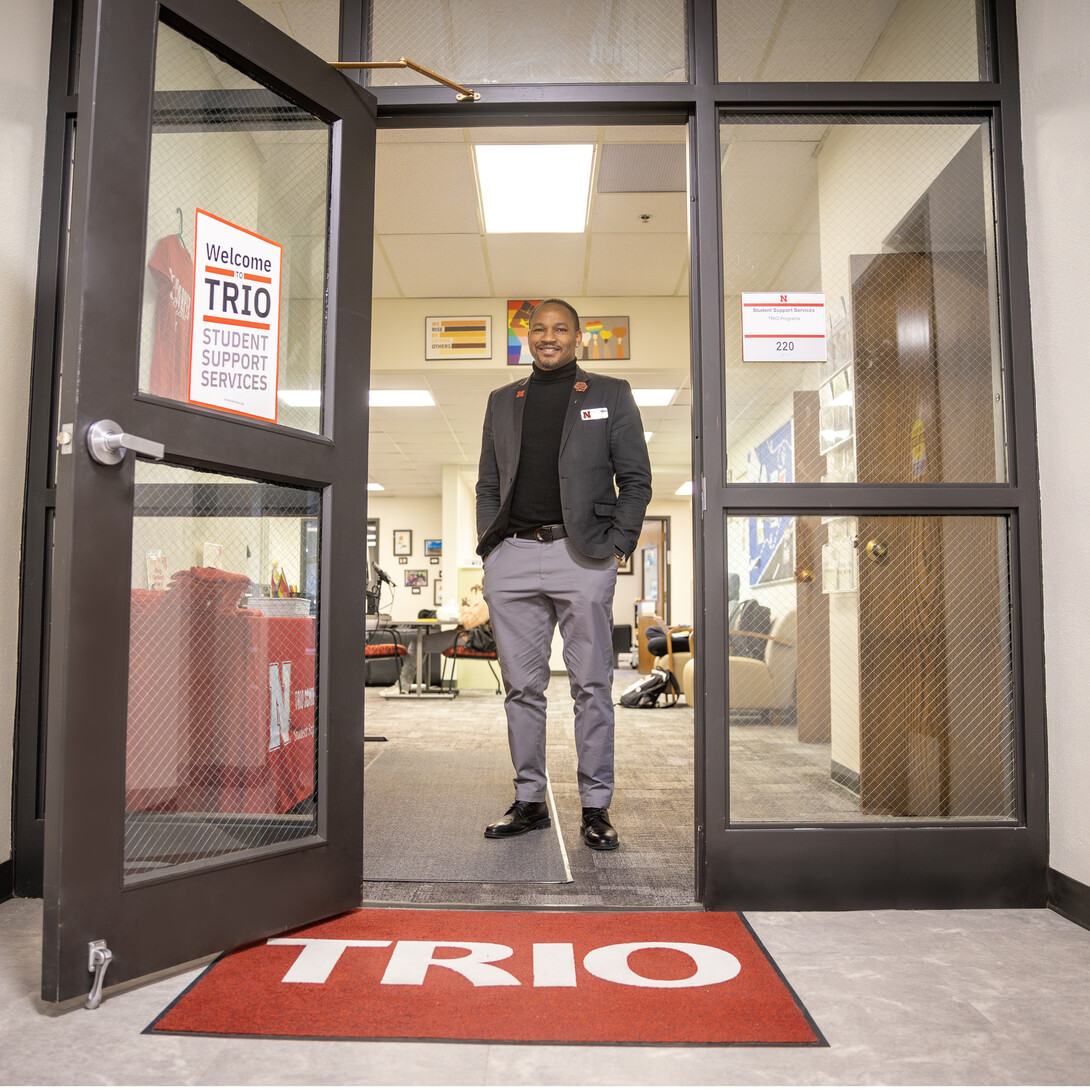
635,264
383,285
535,134
447,266
620,213
644,134
422,136
536,266
409,198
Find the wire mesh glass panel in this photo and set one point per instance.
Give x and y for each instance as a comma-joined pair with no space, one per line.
870,669
531,41
848,40
882,235
238,206
220,746
313,23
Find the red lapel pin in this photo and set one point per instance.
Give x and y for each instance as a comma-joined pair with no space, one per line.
580,386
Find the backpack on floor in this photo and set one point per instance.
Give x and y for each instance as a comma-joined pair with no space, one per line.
646,692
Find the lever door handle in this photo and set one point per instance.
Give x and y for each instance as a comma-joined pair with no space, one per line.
108,443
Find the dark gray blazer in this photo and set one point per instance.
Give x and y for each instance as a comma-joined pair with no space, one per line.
596,449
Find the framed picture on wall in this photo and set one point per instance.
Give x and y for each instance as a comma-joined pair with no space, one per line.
416,578
433,547
624,567
518,319
438,585
650,571
458,338
403,543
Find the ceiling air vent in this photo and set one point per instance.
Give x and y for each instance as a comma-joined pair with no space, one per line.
642,168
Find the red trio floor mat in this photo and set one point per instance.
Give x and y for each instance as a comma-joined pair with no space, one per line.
529,977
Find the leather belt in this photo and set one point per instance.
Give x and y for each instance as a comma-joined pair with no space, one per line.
556,532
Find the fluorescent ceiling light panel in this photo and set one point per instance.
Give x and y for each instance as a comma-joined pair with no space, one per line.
400,399
653,397
685,490
534,188
301,399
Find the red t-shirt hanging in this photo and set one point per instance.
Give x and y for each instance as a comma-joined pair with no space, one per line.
173,269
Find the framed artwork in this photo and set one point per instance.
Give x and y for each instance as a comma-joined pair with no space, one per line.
458,338
403,543
433,547
438,585
605,337
772,539
416,578
624,567
650,572
518,318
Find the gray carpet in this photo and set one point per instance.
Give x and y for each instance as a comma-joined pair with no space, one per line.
652,809
458,793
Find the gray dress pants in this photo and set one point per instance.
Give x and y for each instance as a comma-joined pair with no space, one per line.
530,587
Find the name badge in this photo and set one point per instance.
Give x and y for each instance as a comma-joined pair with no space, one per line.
595,414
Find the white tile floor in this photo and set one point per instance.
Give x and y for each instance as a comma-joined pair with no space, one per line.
976,997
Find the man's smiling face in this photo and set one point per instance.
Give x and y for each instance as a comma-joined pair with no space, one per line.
553,337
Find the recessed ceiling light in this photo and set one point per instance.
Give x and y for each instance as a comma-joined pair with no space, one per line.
654,397
647,436
685,490
534,188
374,486
301,399
400,399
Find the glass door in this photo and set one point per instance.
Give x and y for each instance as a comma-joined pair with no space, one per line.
205,743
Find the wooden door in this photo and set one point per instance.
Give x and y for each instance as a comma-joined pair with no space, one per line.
933,677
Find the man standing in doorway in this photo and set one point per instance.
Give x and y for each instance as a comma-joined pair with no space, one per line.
563,485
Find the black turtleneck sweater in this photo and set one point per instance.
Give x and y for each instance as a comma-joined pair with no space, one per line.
536,498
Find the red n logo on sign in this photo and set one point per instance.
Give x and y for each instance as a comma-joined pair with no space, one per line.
783,298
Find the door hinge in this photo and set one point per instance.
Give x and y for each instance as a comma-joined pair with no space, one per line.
98,961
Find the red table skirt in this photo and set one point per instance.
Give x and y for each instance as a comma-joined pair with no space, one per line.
221,708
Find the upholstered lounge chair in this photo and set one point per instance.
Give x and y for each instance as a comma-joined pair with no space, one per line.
759,685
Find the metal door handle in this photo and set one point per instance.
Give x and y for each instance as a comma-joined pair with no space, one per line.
108,443
877,550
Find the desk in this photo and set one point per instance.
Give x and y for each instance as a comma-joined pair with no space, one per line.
420,689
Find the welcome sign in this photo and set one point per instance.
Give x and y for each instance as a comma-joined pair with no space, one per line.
235,352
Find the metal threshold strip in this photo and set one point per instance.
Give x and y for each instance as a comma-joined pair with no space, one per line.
464,93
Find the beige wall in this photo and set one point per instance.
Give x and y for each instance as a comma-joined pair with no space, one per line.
424,517
1055,114
24,71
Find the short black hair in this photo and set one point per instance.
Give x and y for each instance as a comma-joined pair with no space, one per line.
555,302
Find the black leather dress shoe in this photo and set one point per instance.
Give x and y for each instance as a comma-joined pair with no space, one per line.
521,818
597,831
